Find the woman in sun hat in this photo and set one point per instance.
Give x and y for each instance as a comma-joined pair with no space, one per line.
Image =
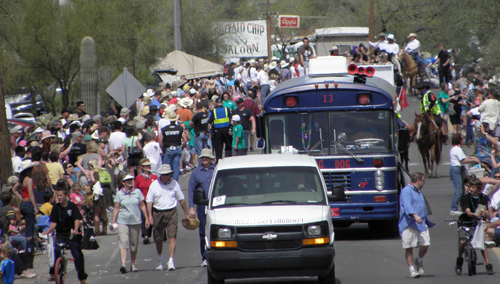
142,182
129,205
28,205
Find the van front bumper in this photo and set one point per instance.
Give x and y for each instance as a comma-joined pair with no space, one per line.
312,261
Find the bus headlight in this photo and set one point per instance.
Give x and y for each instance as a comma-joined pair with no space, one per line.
379,180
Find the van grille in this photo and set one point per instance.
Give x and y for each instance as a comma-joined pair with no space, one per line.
269,229
269,245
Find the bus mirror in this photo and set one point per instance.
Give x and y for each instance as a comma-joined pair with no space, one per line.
261,144
199,197
338,194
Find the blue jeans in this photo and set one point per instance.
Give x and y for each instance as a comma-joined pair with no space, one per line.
21,242
172,157
469,131
200,211
246,135
28,212
264,91
200,142
457,181
75,246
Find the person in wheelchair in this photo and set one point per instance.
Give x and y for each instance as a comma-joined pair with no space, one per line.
470,202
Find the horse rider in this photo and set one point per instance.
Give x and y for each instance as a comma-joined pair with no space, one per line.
428,103
380,45
392,49
412,48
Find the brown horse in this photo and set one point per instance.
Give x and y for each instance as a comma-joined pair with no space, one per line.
428,140
409,70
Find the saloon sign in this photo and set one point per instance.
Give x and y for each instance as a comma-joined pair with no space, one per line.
288,21
242,39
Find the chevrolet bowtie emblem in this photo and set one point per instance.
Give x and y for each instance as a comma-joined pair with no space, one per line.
269,236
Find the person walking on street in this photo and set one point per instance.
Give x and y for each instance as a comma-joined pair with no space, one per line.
413,223
220,117
200,179
143,182
201,129
129,205
170,138
163,196
247,122
238,136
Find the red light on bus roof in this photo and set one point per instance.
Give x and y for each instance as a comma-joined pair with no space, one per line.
352,69
361,70
364,99
370,71
316,86
327,85
291,101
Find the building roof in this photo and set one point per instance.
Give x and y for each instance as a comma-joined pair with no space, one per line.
342,31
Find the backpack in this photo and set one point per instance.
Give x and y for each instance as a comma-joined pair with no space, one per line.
104,177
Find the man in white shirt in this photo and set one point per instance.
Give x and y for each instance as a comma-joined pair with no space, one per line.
490,109
392,49
381,44
263,83
245,77
254,72
163,196
152,151
18,159
413,47
116,138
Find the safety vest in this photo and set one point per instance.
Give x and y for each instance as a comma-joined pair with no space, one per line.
221,117
424,105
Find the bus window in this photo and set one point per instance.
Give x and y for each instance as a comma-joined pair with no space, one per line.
276,135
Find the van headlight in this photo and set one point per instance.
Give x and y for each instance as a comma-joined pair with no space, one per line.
314,230
379,180
224,233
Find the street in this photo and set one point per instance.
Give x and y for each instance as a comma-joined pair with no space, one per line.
361,256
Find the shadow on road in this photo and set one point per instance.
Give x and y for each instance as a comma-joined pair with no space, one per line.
359,232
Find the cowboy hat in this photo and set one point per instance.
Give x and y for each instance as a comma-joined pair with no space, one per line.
381,35
334,48
74,117
150,92
391,37
273,65
170,108
191,224
146,98
95,135
173,93
412,35
46,134
206,153
124,111
26,165
172,116
38,130
16,129
186,102
283,64
165,170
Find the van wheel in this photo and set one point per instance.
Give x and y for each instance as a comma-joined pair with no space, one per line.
329,278
212,280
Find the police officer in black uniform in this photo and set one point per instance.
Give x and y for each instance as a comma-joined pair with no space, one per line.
170,138
220,118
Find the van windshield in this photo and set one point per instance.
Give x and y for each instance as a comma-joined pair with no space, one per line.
278,185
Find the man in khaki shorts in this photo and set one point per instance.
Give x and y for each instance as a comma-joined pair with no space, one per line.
414,224
163,196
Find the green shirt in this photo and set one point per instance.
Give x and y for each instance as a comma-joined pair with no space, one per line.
130,209
443,106
238,132
229,104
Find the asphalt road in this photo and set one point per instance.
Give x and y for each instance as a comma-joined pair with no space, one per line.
361,256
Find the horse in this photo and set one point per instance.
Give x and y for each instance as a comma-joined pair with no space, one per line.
428,136
409,70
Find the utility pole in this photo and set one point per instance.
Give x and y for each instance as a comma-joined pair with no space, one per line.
178,24
6,165
269,52
371,23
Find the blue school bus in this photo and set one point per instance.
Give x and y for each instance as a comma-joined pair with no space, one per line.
344,116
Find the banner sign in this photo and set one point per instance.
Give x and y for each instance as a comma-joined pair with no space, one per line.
242,39
289,21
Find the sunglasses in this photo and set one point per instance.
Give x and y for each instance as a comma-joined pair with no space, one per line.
497,176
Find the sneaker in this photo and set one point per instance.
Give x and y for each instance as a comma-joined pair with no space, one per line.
419,267
489,269
159,263
52,278
28,275
170,265
490,244
455,213
458,266
414,274
204,263
134,269
145,241
123,270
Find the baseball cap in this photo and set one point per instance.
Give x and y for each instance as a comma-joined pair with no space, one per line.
240,100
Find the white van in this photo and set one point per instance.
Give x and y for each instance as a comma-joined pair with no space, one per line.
268,216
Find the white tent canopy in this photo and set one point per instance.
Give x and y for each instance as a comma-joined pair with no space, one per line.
188,65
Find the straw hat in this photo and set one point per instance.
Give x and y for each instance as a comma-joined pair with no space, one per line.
95,135
172,116
211,83
412,35
273,65
391,37
145,98
165,169
190,224
381,35
186,102
26,165
334,48
46,134
283,64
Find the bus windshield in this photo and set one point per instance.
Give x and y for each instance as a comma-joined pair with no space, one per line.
332,133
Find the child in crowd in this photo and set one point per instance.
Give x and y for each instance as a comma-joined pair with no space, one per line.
238,137
46,208
7,268
76,197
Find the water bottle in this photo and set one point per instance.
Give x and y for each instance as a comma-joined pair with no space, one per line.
44,248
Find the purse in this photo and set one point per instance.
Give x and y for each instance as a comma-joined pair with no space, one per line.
134,152
89,242
451,110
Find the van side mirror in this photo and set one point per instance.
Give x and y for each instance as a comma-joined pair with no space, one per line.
199,197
